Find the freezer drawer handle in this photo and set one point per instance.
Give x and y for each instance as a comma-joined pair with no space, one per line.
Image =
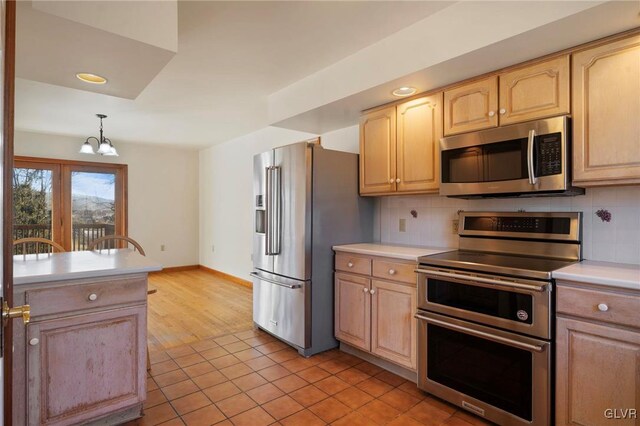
483,335
291,286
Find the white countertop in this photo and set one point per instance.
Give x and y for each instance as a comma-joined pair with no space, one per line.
394,251
79,264
606,274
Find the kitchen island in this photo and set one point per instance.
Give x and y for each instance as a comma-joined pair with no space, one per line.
82,357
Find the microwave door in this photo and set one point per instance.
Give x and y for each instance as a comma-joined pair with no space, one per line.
261,209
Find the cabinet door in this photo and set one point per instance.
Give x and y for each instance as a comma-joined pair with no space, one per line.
598,369
85,366
418,153
606,107
393,327
353,310
378,152
537,91
471,107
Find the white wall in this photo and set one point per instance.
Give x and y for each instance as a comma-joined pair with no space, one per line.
163,191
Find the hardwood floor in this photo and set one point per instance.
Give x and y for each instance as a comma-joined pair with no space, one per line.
193,305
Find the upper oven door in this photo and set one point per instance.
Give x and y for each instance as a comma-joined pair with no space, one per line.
513,304
521,158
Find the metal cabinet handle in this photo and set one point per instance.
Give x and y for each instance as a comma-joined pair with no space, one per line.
502,111
93,297
492,113
372,291
350,264
602,307
391,180
34,341
366,290
398,180
392,271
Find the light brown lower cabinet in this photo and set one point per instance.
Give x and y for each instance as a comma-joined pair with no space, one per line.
598,358
376,315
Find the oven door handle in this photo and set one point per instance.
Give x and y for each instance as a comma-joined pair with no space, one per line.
470,279
483,335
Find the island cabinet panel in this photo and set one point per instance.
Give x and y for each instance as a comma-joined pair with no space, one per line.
536,91
606,107
353,311
472,106
378,151
418,144
393,327
83,367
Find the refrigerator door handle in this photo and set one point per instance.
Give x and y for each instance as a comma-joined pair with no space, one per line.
267,211
276,216
290,286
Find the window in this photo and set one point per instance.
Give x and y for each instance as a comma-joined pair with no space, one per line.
69,202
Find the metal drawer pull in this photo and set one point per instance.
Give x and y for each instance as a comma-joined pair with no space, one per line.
392,271
291,286
34,341
483,335
366,290
602,307
372,291
350,264
93,297
539,288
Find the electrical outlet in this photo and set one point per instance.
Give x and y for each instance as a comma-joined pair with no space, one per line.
455,224
162,247
402,225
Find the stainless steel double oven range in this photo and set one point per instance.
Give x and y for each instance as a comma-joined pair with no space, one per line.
486,314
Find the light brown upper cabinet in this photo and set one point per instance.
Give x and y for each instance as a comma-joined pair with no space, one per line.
536,91
399,148
473,106
606,107
378,151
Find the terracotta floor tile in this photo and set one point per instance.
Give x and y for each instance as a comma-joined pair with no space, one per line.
236,371
170,378
271,347
274,373
282,407
325,356
353,376
203,345
297,364
187,360
158,414
213,353
428,414
254,417
236,347
374,387
151,384
390,378
283,355
334,366
353,419
173,422
248,334
248,354
330,409
456,421
190,403
199,369
179,389
302,418
260,363
290,383
224,361
313,374
222,391
369,368
399,399
404,420
379,412
331,385
235,404
353,397
157,357
249,381
308,395
209,379
224,423
180,351
265,393
163,367
206,416
154,397
412,389
441,405
348,358
225,340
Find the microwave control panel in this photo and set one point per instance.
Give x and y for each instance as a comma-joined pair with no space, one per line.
549,154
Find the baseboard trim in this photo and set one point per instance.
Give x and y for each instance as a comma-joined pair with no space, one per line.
227,277
177,269
412,376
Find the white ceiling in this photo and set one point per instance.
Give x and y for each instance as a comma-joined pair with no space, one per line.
230,57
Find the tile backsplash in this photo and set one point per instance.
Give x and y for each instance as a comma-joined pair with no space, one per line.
614,241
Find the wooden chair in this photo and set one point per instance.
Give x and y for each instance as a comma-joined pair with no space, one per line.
115,240
52,246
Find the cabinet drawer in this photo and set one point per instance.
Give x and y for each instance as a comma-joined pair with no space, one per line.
403,272
620,309
354,264
72,298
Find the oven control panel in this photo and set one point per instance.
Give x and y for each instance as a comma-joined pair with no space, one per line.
525,224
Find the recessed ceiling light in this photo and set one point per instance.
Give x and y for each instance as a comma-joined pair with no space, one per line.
91,78
404,91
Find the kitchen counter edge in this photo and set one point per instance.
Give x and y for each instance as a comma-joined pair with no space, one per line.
605,274
391,251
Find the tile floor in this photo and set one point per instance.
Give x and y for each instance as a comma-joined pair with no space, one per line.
249,378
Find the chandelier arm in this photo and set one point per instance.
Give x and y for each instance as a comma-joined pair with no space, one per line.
94,138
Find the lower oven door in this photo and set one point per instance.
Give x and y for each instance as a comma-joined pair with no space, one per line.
501,376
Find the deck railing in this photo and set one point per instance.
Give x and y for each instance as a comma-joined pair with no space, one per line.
82,235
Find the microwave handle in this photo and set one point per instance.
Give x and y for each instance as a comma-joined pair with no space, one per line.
530,166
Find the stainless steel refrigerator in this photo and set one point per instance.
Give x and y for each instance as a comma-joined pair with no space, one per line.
306,200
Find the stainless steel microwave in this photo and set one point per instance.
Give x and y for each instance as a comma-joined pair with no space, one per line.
528,159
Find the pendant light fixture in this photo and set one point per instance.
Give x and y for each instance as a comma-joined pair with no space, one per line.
105,147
